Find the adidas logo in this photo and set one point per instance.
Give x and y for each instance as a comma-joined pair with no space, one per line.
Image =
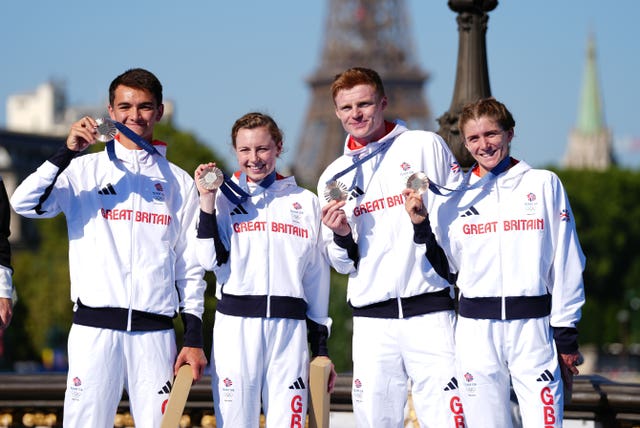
298,384
107,190
452,385
166,389
471,211
239,209
355,193
546,376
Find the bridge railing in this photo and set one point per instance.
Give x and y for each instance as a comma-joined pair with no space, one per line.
36,400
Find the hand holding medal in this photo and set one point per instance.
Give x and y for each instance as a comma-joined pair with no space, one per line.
333,216
87,131
417,184
208,178
211,178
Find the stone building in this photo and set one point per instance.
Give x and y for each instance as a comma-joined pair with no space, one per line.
590,142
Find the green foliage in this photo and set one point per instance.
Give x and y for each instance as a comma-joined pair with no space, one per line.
606,209
42,280
184,149
207,319
342,327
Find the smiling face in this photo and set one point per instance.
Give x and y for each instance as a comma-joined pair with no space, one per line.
487,142
138,110
361,112
257,152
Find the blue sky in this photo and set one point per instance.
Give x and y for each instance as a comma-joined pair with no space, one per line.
219,60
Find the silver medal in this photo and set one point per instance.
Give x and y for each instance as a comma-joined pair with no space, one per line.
418,182
106,129
335,191
211,178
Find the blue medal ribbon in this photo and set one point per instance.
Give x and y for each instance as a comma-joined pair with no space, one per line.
502,166
357,161
141,142
138,140
239,193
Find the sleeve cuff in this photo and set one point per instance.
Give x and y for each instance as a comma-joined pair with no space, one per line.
6,283
347,243
193,337
206,225
566,339
63,157
422,233
317,335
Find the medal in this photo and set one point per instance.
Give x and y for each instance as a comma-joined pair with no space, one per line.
335,191
106,129
418,182
211,178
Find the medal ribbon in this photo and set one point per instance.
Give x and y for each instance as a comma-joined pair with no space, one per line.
141,142
464,186
238,193
359,161
138,140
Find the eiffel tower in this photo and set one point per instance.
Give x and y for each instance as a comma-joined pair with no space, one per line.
363,33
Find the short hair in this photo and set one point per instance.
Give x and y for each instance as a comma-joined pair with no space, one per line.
357,76
489,107
137,78
256,120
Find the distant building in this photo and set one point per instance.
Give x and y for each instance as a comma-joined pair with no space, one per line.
21,154
590,142
37,125
45,111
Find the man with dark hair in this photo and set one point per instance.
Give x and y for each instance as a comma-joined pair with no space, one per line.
131,217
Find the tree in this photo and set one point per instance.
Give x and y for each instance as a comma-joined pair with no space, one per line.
184,149
342,325
42,281
606,211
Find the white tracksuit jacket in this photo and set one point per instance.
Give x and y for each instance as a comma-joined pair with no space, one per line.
130,224
516,237
378,219
274,247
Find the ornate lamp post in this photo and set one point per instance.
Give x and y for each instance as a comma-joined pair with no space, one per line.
472,75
